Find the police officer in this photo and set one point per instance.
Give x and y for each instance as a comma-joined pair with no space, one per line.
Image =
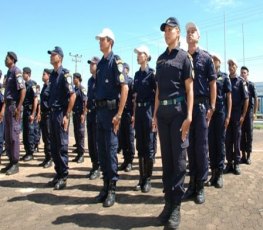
111,94
218,125
2,112
79,114
37,120
45,119
91,121
61,102
29,114
239,108
247,127
173,116
144,92
126,132
14,96
204,106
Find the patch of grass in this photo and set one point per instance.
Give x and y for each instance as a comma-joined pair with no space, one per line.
258,126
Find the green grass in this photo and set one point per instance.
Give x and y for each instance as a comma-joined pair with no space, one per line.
258,126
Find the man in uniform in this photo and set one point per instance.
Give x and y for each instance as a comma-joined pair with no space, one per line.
79,113
126,132
61,102
37,120
238,114
2,112
45,118
14,96
218,125
91,121
29,114
111,94
247,127
204,106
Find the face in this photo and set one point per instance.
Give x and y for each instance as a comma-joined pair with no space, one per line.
126,71
75,81
25,76
244,73
171,34
45,77
93,68
216,64
192,36
232,68
105,44
141,58
8,61
55,59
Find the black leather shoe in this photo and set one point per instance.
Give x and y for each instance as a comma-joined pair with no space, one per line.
248,161
212,180
80,159
166,213
48,164
237,170
200,193
62,182
13,169
103,193
229,168
75,145
123,166
128,167
146,187
219,179
94,174
4,170
110,199
191,190
75,151
174,219
27,157
53,181
243,160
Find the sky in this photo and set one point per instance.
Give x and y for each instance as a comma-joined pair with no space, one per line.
230,28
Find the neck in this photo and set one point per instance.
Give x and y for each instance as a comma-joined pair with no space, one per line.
78,84
232,75
106,53
56,66
144,66
192,48
11,66
173,45
46,82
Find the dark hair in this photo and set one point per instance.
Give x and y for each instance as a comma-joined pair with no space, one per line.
244,68
149,58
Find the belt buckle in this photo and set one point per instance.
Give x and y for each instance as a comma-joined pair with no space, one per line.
174,101
139,104
165,102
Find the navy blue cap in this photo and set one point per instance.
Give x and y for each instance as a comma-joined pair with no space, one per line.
245,68
57,50
170,22
77,75
12,55
48,71
94,60
125,65
26,70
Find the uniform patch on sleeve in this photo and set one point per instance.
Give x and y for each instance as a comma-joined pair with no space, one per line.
34,88
70,88
245,86
68,78
3,90
84,90
192,65
122,78
120,67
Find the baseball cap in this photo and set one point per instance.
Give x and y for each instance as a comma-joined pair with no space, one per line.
48,71
57,50
170,22
125,65
232,60
192,25
216,56
94,60
26,70
12,55
142,49
106,32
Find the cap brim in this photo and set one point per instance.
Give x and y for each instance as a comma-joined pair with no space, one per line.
162,27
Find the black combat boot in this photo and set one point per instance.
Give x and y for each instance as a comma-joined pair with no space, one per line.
243,159
191,190
13,169
167,210
237,170
212,180
110,199
200,192
219,178
103,193
229,168
248,158
142,174
146,186
174,219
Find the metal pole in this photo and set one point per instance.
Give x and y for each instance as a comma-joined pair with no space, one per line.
243,44
225,40
76,58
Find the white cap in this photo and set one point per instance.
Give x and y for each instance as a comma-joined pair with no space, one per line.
142,49
233,61
216,56
192,25
106,32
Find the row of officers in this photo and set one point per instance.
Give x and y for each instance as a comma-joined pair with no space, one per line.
192,104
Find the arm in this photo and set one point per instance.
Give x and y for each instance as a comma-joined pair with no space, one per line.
19,106
72,99
34,109
2,112
255,108
117,118
245,106
229,108
212,86
134,108
156,106
190,101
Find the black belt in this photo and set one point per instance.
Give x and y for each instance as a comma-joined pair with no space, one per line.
110,104
10,102
201,100
143,104
28,107
56,109
173,101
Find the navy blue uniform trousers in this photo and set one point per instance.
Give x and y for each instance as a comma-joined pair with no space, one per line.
46,135
59,144
79,132
247,132
28,133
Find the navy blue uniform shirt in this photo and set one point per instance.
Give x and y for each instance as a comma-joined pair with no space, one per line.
2,89
31,93
239,94
109,77
129,103
204,73
13,84
60,89
252,94
80,99
223,86
144,85
172,69
91,93
44,98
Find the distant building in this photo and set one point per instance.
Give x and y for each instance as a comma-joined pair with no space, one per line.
259,88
